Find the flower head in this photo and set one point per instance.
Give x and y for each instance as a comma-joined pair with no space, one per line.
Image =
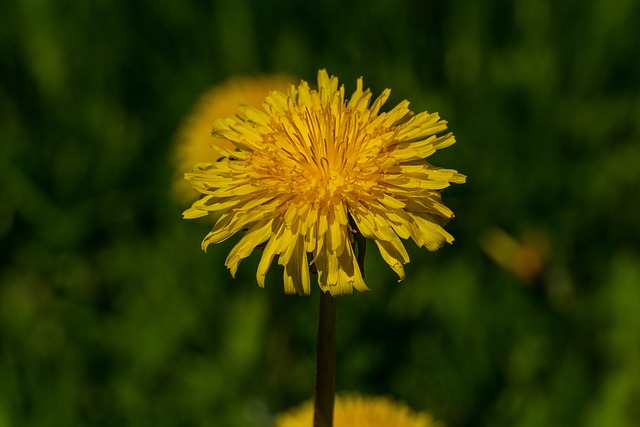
313,172
193,140
360,411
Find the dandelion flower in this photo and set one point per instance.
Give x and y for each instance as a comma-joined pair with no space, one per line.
193,140
360,411
314,172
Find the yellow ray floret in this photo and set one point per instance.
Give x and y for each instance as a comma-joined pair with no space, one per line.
312,170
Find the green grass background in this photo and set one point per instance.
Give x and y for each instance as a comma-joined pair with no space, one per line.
110,315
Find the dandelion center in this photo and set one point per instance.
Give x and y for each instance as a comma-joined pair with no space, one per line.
315,156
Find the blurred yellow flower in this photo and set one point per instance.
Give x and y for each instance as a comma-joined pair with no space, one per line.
193,140
312,170
360,411
525,258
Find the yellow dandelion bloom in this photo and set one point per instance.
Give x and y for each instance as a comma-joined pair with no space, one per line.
360,411
193,140
312,171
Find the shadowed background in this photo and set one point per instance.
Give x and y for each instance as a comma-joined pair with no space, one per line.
110,314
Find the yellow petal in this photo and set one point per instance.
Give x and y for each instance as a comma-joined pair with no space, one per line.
256,235
255,115
268,253
296,271
391,257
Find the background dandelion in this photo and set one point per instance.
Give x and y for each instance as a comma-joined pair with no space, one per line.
110,315
194,141
353,410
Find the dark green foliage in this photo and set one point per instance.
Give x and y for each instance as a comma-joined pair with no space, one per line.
111,315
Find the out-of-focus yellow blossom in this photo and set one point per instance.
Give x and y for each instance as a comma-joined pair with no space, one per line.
360,411
193,140
525,259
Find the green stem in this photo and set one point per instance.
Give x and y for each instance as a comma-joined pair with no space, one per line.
325,362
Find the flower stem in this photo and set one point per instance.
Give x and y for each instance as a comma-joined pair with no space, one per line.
325,362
